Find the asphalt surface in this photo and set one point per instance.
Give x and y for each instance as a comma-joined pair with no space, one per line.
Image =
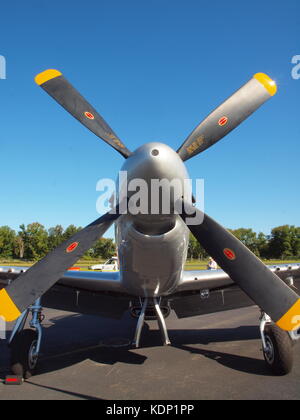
211,357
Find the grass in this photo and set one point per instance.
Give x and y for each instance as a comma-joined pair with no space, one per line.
201,265
84,264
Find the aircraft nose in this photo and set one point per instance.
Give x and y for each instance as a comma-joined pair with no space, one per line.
155,165
155,161
155,179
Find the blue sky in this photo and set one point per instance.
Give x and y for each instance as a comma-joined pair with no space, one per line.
154,69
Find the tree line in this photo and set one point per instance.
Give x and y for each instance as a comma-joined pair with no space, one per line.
283,243
34,241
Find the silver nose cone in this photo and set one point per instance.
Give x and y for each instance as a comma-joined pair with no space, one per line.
155,161
153,178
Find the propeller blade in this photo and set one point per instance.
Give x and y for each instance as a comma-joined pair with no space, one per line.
32,284
54,83
228,115
266,289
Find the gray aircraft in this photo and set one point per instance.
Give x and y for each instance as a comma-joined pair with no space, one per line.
152,247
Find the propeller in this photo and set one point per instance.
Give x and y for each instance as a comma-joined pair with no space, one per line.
266,289
54,83
228,115
32,284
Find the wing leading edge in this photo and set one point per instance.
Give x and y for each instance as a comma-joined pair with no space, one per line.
85,280
208,291
101,293
84,292
212,279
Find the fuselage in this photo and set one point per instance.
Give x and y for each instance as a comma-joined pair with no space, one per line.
152,239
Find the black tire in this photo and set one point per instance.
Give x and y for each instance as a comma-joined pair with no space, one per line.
22,345
279,357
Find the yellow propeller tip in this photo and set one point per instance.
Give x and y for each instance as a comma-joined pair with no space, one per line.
291,319
46,75
267,82
8,309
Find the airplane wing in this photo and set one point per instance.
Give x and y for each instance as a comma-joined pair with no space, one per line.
101,293
207,291
85,280
86,292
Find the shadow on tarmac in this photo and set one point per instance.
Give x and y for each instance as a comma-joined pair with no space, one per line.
74,338
63,391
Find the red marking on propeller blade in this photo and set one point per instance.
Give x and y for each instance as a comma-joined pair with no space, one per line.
223,121
89,115
72,247
229,254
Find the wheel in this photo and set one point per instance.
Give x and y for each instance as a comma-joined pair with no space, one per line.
279,353
23,346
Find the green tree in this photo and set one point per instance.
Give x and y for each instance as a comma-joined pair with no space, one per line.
281,242
35,238
247,237
263,245
70,231
295,240
7,240
104,248
19,246
195,250
55,236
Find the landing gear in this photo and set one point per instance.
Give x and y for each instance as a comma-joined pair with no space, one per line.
23,354
150,313
25,344
154,307
277,347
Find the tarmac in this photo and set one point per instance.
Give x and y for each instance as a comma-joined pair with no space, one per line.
212,357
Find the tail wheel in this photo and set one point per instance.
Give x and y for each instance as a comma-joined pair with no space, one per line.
23,353
279,350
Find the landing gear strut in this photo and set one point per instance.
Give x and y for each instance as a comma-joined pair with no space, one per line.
25,344
277,346
158,316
